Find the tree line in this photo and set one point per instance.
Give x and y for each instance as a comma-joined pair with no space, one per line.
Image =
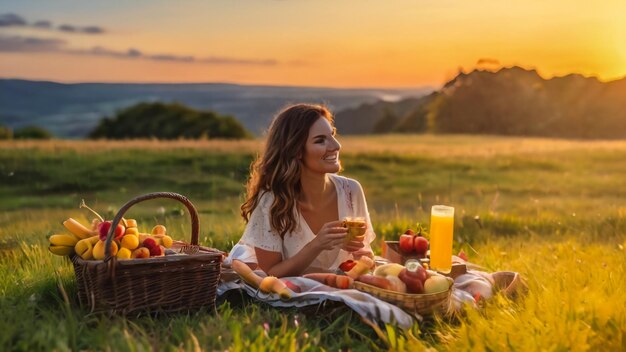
150,120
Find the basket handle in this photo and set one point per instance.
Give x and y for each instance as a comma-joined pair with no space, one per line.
118,217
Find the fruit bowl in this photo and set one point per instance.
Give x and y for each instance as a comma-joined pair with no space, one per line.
423,304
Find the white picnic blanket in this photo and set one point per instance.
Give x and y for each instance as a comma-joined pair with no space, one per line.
314,293
467,289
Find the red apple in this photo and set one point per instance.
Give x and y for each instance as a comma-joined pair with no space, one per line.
420,244
149,243
104,227
412,281
406,243
409,232
157,251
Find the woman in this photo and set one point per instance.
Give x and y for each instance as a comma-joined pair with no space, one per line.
295,200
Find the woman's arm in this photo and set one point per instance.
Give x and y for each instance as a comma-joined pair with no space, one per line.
330,236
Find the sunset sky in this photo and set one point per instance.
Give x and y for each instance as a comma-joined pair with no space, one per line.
332,43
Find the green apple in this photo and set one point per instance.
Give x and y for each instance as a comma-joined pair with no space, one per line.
436,284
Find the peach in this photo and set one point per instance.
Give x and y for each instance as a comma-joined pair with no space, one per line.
159,230
132,231
166,241
130,241
124,253
141,252
131,223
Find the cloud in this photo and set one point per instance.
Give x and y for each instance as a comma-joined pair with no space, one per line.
87,30
14,20
30,44
11,20
92,30
54,45
234,61
42,24
169,57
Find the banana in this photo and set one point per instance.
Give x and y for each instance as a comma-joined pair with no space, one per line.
84,247
78,229
61,250
63,240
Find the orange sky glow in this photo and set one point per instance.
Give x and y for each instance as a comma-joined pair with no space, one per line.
346,43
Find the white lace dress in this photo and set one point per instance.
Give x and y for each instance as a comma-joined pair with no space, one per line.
258,232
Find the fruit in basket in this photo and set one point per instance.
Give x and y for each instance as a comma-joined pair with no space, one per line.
78,229
396,284
413,276
159,230
157,251
406,242
374,280
130,241
420,245
105,226
61,250
149,243
131,231
84,247
141,252
98,250
413,283
166,241
62,244
392,269
63,240
124,253
131,223
436,284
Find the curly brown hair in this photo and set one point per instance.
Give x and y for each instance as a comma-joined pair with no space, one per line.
278,169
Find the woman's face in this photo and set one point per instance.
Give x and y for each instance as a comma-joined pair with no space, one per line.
321,151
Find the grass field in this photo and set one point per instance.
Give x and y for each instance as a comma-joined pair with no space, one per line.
553,210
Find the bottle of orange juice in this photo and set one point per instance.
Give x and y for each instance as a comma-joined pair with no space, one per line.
441,232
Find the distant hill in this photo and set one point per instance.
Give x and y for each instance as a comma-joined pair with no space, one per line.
511,101
73,110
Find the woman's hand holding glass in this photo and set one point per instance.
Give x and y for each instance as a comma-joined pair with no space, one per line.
331,235
356,234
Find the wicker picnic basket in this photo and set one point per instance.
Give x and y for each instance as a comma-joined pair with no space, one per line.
423,304
161,284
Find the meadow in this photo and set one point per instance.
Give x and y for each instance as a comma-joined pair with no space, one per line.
552,210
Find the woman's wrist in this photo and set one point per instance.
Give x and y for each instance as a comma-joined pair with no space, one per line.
313,246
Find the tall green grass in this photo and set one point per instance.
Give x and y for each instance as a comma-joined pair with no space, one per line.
555,214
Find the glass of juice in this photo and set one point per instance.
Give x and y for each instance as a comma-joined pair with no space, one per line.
356,227
441,227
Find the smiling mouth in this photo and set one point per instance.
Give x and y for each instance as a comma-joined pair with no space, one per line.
330,157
